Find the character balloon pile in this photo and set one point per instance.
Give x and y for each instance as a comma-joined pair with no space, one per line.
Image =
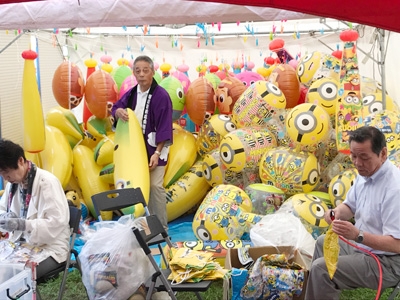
246,144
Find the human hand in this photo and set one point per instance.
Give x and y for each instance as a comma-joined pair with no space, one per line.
345,229
8,215
153,161
122,114
12,224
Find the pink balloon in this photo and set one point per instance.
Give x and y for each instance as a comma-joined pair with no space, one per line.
293,63
127,84
250,66
183,79
183,68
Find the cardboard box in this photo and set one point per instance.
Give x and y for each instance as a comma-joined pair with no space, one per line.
17,280
232,261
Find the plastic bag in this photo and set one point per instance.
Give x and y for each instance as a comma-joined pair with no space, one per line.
283,229
113,263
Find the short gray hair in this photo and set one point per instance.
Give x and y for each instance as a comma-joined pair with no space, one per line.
144,58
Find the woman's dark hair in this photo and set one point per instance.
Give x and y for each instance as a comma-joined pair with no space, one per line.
369,133
10,154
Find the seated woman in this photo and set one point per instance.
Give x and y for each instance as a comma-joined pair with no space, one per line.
33,207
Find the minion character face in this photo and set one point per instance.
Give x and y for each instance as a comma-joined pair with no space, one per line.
311,174
352,101
324,92
340,185
202,232
270,93
307,67
222,124
311,210
193,245
372,103
307,124
211,169
232,153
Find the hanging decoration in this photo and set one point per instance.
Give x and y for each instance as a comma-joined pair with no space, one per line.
282,25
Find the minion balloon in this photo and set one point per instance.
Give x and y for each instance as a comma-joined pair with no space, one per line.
291,171
310,209
324,92
308,124
241,149
340,185
257,104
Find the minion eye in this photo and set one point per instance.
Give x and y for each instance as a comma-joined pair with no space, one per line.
375,107
308,57
272,88
367,100
348,99
317,210
305,122
207,170
356,100
300,70
230,244
328,91
313,177
338,189
228,154
191,244
230,126
203,234
224,117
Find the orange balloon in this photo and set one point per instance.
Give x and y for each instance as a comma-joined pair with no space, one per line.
101,93
200,100
68,85
284,76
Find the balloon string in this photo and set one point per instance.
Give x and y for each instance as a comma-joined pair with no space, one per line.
378,293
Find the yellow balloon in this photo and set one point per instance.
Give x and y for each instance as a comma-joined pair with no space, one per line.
56,157
34,131
182,155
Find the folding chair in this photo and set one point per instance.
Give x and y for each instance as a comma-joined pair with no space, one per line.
159,279
121,198
395,292
74,220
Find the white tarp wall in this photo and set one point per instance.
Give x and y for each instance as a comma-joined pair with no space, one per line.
225,48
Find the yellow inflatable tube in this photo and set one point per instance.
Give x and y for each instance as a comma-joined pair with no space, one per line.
66,121
131,167
86,172
34,132
186,192
182,155
57,155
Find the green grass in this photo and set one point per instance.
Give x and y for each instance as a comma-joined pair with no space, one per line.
75,290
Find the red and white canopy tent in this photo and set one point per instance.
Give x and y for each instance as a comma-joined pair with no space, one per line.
383,14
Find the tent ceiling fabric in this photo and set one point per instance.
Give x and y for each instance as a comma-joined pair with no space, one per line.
102,13
382,14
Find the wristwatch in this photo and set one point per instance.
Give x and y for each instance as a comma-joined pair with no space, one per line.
157,152
360,237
